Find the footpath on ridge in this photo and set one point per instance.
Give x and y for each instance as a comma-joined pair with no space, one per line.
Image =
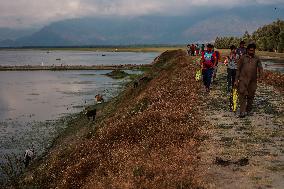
168,133
248,152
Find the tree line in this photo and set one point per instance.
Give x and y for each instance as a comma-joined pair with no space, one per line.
267,38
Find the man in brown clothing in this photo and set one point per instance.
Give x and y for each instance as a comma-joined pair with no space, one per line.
249,69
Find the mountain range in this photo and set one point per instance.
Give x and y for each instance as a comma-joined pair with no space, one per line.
150,29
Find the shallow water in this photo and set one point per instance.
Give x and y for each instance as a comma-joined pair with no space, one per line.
48,58
44,95
35,105
273,66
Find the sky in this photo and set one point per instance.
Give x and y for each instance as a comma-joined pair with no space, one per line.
36,13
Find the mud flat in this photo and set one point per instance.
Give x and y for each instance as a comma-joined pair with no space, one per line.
71,67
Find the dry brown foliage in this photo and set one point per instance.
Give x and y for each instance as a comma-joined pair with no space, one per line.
150,141
273,78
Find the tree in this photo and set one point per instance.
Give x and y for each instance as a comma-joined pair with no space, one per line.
217,42
281,42
226,42
247,37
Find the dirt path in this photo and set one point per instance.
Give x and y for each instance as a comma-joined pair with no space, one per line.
248,152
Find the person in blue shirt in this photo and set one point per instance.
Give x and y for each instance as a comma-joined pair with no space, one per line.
208,63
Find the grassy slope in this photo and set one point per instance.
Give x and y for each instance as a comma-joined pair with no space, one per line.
147,137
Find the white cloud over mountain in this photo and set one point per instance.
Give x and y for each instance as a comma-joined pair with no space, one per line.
26,13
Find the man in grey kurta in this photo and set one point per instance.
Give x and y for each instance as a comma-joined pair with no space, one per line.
249,69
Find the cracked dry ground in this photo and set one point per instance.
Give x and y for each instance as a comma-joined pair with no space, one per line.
256,140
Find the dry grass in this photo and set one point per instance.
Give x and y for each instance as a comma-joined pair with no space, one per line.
149,140
274,79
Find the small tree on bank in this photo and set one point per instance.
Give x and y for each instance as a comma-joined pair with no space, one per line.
281,42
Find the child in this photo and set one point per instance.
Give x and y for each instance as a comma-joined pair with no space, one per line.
29,154
231,62
208,63
218,57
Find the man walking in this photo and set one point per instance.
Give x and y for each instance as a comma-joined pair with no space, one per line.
249,68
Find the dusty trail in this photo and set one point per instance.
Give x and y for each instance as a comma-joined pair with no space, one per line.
249,151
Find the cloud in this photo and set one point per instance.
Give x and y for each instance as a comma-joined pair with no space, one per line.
26,13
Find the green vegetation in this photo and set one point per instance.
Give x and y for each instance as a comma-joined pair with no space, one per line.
117,74
12,168
267,38
281,42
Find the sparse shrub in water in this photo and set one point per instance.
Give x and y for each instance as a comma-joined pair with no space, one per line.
11,167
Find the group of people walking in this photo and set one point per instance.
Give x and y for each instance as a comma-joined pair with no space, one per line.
195,49
243,69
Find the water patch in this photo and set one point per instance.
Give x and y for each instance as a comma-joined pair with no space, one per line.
34,114
41,58
273,66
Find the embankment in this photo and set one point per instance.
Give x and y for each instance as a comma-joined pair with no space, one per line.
147,137
150,136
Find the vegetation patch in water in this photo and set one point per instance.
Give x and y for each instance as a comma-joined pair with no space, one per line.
117,74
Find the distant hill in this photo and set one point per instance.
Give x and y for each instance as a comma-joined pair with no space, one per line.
108,31
150,29
12,34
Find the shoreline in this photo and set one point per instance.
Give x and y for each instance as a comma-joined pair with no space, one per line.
70,125
63,124
137,49
71,67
